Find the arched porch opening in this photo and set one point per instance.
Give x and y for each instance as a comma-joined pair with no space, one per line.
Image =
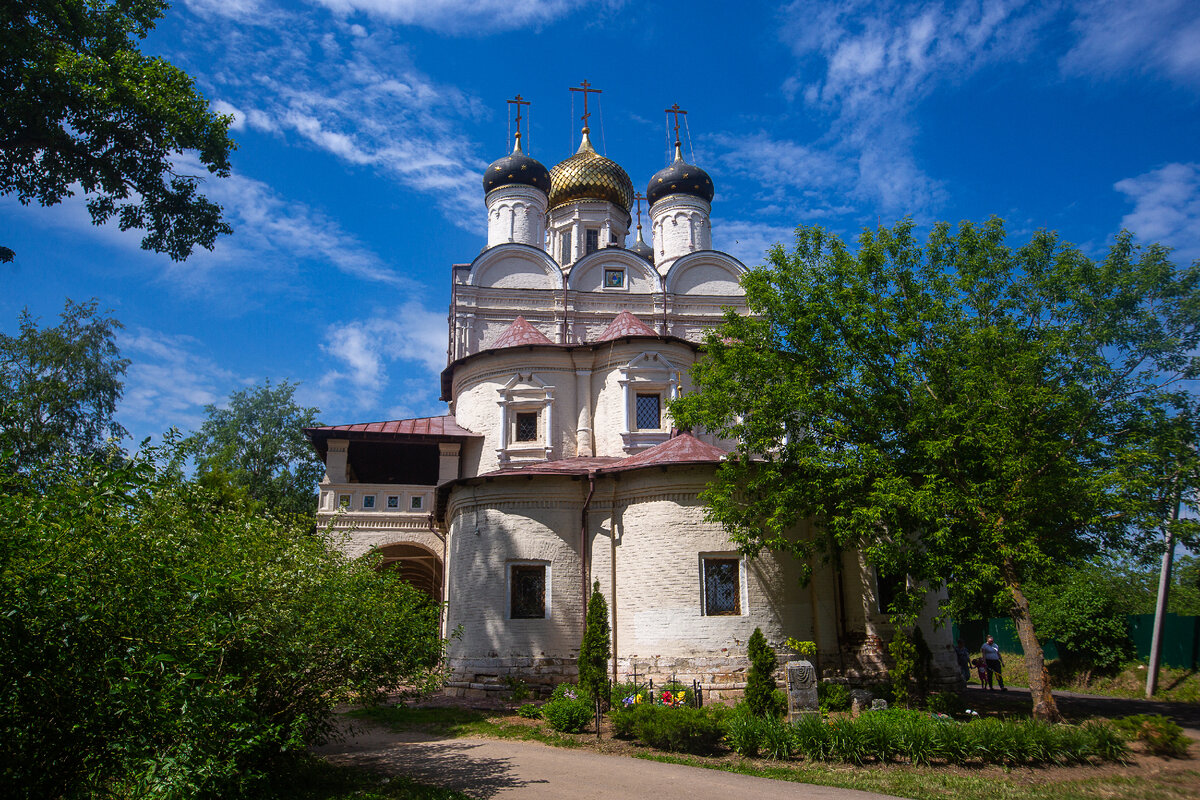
416,564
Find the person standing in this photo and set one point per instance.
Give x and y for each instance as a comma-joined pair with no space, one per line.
964,660
991,659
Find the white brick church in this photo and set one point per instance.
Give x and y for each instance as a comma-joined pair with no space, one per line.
557,464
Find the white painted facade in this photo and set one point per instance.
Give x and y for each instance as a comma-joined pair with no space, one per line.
526,480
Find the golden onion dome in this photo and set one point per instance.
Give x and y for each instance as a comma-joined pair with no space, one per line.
587,175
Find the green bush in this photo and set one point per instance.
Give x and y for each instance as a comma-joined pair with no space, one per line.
160,640
1087,620
813,738
529,711
1160,735
760,680
744,733
833,697
775,739
569,716
679,730
945,703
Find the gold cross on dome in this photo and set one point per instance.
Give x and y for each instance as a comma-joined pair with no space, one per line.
585,87
518,102
676,110
639,197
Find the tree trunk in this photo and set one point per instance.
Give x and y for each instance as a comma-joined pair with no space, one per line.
1044,707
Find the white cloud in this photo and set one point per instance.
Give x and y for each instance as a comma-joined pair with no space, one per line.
472,17
874,63
749,241
1166,208
239,118
168,383
1119,37
350,91
365,349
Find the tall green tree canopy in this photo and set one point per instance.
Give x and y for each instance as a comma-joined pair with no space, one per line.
257,444
59,388
82,107
962,411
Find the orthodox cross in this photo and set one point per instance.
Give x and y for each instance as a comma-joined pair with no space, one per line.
676,110
585,87
639,197
518,102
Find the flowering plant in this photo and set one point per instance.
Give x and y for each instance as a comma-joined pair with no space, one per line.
632,699
673,700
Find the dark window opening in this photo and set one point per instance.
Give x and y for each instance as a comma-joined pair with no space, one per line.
527,585
890,587
722,587
648,417
386,462
593,241
527,427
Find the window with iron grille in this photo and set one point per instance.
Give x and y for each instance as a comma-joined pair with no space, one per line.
593,241
369,501
648,417
527,427
527,591
722,587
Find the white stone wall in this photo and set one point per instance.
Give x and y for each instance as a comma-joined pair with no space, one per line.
568,223
516,214
679,225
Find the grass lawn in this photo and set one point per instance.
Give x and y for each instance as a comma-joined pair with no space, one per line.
1174,685
1145,777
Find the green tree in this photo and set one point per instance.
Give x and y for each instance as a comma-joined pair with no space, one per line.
1087,617
955,410
59,388
595,647
760,680
80,105
256,444
157,642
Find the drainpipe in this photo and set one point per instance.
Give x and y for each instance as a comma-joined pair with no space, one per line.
612,547
444,604
562,325
583,548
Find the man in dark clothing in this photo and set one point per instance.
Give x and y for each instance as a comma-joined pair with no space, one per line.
964,660
991,658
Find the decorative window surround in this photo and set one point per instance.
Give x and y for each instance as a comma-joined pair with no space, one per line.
723,576
649,373
528,575
525,394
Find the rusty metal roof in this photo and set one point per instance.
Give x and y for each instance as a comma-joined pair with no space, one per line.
625,324
444,425
519,333
681,449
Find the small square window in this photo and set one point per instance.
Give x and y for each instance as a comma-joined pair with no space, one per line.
648,416
416,503
393,501
368,501
592,242
722,587
343,501
527,591
614,278
527,424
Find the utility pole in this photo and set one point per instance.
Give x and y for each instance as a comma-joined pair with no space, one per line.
1160,608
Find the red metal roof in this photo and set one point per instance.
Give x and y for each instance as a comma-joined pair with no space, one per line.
681,449
625,324
444,425
519,333
563,466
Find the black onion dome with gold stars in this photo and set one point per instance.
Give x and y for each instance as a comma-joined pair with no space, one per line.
516,168
587,175
680,177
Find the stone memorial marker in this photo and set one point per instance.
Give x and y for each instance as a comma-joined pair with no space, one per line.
801,689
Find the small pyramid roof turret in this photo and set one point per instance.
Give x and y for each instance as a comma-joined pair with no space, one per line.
520,333
625,324
681,449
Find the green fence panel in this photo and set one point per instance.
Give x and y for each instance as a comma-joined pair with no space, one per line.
975,632
1180,639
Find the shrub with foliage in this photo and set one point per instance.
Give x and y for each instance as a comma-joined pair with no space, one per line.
743,733
157,642
678,730
760,681
595,647
1086,620
833,697
569,715
529,711
1160,735
945,703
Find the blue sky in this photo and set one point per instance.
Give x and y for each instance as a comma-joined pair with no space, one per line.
364,126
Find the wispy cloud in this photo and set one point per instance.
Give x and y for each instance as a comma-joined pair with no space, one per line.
365,349
169,381
1166,208
1125,37
349,90
749,241
473,17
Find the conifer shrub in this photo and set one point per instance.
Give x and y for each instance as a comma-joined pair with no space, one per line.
760,681
595,647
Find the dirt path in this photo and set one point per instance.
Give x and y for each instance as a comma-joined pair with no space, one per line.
486,768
